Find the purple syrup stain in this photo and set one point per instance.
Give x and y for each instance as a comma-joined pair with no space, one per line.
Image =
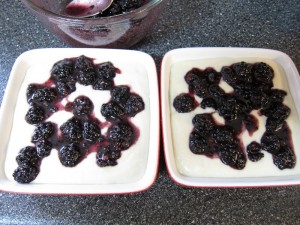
76,10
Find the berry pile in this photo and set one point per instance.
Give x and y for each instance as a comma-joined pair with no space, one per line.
252,90
81,134
122,6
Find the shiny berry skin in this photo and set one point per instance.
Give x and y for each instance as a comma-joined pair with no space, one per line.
112,111
35,115
25,173
63,70
69,155
231,155
285,158
184,103
43,148
83,106
121,135
198,143
134,105
107,156
254,151
72,130
43,131
84,71
120,94
28,156
106,70
91,131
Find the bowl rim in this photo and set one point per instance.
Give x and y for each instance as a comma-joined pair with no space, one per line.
134,13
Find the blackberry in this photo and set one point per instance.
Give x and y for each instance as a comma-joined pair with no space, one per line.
121,134
251,123
184,103
273,124
72,130
216,91
243,71
231,108
203,124
223,134
28,156
194,76
228,75
25,173
254,151
35,115
198,143
91,131
212,76
63,70
106,70
128,5
209,103
43,148
120,94
285,158
83,106
201,90
113,10
107,156
43,131
270,142
69,155
112,111
102,83
85,71
65,88
263,73
276,95
232,155
134,105
43,96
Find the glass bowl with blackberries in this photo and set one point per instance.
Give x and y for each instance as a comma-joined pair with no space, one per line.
89,23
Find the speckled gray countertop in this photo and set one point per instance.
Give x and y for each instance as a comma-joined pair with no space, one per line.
273,24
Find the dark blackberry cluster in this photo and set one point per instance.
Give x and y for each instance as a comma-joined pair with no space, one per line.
121,134
42,96
208,139
35,115
122,6
105,76
83,106
108,156
123,104
41,138
62,73
42,102
84,71
254,151
184,103
28,165
69,155
253,90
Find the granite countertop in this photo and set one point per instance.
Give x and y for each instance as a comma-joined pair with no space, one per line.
236,23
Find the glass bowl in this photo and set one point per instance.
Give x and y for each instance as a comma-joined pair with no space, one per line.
120,31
